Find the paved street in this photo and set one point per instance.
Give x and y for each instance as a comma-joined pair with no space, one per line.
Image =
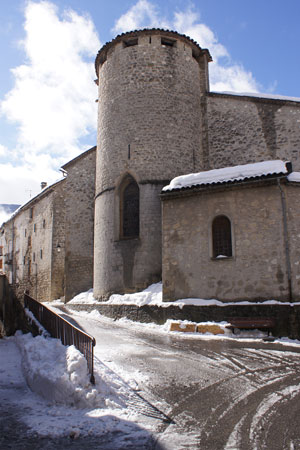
191,393
220,394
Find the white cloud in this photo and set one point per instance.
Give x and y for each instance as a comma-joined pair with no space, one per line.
143,14
53,98
225,75
52,101
20,183
4,216
3,150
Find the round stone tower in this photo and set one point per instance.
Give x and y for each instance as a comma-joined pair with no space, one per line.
151,89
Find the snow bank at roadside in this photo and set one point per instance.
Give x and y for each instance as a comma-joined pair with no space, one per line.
153,296
56,372
150,296
84,298
59,373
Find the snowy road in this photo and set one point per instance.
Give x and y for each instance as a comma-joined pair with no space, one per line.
219,393
154,390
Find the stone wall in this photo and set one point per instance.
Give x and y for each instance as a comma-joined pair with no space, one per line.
149,98
12,317
28,238
126,265
244,130
292,194
258,268
148,126
79,223
286,317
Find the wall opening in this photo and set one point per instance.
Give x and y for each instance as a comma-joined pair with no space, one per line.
129,208
130,42
168,42
221,236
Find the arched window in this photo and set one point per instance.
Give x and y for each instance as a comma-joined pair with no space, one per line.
129,208
221,236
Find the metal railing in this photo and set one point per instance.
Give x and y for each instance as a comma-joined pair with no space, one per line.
61,329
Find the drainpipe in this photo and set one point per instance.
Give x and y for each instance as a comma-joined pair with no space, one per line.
286,240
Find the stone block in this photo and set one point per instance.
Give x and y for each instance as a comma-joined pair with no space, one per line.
183,327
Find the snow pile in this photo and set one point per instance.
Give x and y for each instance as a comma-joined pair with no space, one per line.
150,296
236,173
59,373
84,298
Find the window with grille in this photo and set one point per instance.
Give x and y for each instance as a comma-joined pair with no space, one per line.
221,234
129,209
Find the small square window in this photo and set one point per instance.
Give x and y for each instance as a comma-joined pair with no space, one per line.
168,42
130,42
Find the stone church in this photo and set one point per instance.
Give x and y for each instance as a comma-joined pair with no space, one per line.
230,232
157,120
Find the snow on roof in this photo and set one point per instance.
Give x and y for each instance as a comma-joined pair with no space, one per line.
259,95
226,174
294,176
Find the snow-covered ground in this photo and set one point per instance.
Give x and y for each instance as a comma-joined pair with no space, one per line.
152,295
62,402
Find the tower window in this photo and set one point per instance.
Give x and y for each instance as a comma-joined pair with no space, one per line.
221,235
130,42
129,209
168,42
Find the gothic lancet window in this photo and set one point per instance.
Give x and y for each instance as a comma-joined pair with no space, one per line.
129,209
221,236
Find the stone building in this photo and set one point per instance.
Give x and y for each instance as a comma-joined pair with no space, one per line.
29,240
232,234
157,120
48,242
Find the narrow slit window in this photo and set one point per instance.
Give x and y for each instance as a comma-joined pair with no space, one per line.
221,234
130,209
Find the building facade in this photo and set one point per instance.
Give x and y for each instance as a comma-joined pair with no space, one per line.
47,244
233,240
157,119
102,225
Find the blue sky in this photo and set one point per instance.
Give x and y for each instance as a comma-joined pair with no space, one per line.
47,107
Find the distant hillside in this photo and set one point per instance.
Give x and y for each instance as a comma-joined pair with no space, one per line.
8,209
